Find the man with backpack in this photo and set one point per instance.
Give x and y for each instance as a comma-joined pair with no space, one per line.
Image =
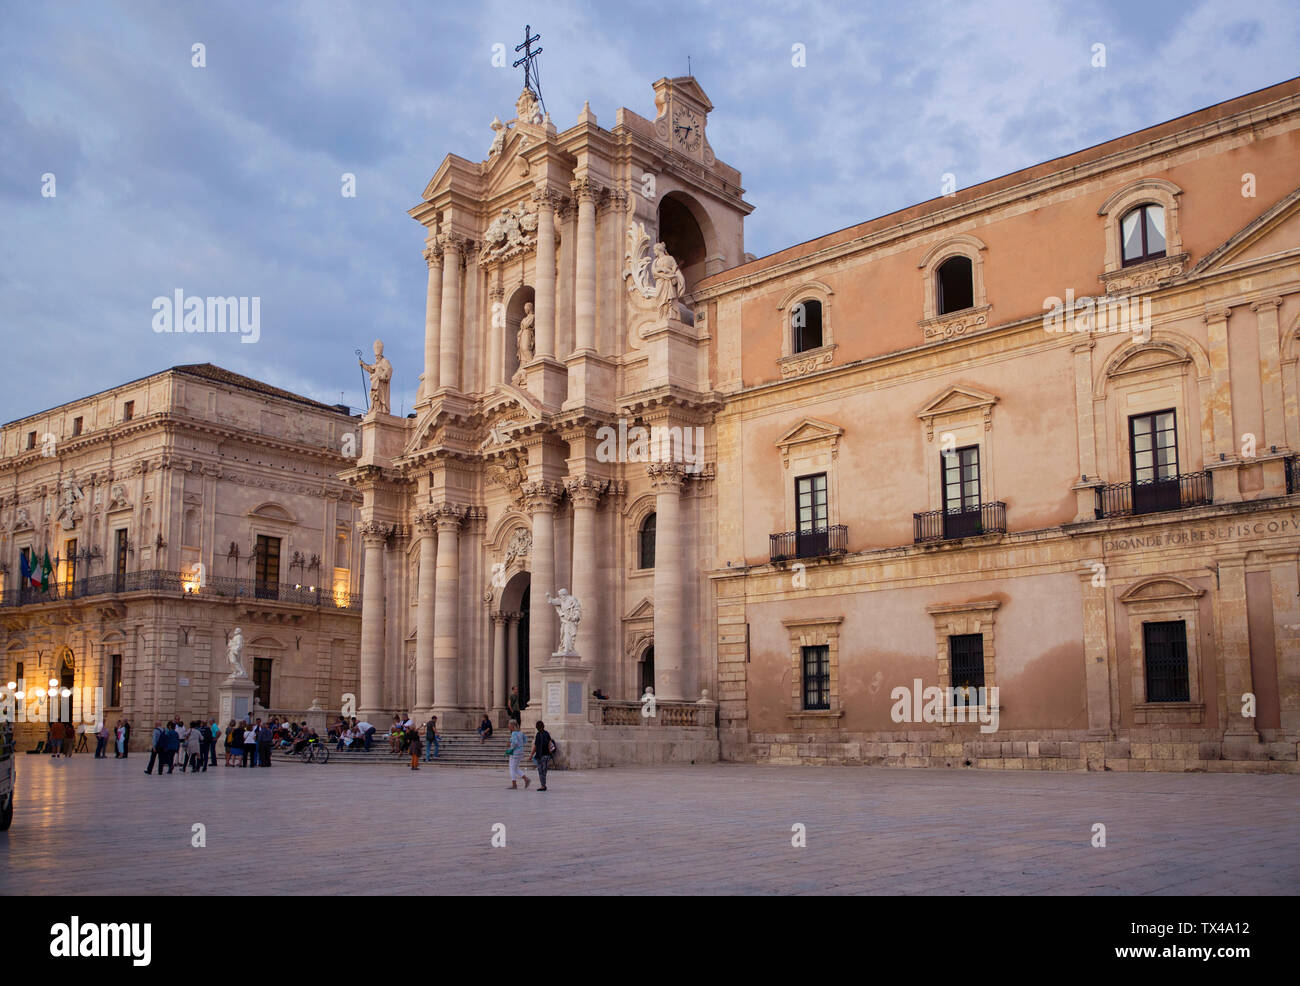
543,752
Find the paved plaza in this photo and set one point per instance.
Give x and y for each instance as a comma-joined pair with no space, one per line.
102,827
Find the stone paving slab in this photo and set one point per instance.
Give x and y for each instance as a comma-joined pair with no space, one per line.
102,827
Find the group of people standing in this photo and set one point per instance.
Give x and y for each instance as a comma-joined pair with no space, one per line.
195,742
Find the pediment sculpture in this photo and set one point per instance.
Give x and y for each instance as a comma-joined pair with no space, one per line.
512,233
656,278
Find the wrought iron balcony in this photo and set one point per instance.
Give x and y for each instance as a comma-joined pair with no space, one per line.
161,580
952,524
818,543
1192,489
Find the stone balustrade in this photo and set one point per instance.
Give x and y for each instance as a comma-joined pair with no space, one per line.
610,713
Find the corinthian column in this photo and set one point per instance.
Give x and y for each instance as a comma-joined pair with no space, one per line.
449,326
544,289
432,316
424,618
585,493
371,700
497,700
670,663
585,190
541,498
446,627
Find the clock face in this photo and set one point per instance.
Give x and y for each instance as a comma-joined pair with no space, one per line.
688,128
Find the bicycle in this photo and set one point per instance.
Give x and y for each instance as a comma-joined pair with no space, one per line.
315,752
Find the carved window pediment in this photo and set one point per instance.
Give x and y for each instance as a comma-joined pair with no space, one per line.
957,401
1161,589
808,432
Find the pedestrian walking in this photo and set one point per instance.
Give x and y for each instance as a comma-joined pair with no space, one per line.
155,746
215,731
432,742
56,739
543,751
265,736
516,752
194,746
171,743
413,744
101,741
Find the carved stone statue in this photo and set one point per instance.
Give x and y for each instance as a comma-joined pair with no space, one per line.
527,338
669,281
381,372
570,613
233,650
498,141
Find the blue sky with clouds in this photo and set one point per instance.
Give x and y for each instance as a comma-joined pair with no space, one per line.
225,180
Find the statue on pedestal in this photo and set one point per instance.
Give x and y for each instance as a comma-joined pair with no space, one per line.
570,613
381,372
527,336
234,648
670,283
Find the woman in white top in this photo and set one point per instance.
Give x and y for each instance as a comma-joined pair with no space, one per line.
516,752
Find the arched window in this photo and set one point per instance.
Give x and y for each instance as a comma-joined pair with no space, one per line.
647,543
955,285
806,325
1142,234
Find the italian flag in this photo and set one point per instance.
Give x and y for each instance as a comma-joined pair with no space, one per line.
46,569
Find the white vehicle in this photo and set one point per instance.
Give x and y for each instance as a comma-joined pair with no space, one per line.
6,775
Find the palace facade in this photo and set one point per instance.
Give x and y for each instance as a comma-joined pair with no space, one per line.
174,509
1004,479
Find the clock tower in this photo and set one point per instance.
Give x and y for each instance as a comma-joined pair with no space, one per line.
683,111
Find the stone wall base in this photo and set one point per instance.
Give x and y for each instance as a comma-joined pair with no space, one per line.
1158,753
584,746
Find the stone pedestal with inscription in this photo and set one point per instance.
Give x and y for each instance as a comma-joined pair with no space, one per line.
236,699
565,694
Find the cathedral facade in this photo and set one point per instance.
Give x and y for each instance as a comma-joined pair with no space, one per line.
1005,479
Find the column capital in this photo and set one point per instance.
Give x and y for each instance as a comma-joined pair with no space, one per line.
452,242
446,516
615,201
547,199
375,533
1264,304
541,496
433,254
1217,313
500,619
666,476
586,189
585,491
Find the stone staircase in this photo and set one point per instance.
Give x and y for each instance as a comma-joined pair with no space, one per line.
458,749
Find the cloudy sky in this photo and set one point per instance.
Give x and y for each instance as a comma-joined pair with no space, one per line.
226,179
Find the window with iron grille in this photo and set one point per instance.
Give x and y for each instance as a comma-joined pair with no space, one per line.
817,677
966,665
1164,653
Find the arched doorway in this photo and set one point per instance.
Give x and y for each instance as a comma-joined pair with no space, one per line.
67,681
515,599
523,649
684,237
646,671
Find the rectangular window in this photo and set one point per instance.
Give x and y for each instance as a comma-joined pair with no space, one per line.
31,440
76,427
128,410
262,680
115,682
119,559
268,567
20,672
966,666
961,492
69,563
812,511
817,677
1164,653
1153,458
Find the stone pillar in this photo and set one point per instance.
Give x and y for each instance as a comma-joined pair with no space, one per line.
1096,651
446,614
1219,407
1270,395
432,319
425,631
1234,631
497,701
371,700
449,325
1286,634
585,190
541,498
544,289
670,664
585,493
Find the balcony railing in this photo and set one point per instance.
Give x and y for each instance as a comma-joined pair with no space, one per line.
817,543
160,580
951,524
1192,489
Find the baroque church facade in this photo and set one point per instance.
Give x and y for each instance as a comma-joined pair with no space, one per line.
1005,479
